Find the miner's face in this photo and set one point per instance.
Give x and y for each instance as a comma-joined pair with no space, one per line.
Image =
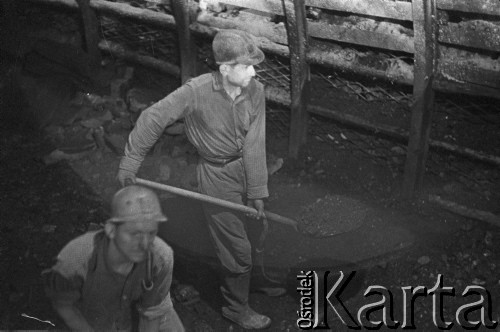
133,239
238,75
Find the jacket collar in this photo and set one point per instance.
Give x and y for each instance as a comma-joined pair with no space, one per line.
217,81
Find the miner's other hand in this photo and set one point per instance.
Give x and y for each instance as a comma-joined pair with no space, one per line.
125,177
257,204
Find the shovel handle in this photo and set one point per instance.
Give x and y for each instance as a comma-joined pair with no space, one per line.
216,201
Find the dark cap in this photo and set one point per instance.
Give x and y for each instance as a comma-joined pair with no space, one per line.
236,46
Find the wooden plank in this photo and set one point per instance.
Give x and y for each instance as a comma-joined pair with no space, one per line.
122,10
273,40
476,34
269,30
344,59
265,6
469,73
187,47
322,30
91,32
400,42
397,10
424,12
445,84
489,7
296,24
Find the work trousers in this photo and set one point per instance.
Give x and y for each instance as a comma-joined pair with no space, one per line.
227,228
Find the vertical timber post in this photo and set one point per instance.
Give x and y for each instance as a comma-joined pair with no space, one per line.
187,48
91,32
296,27
424,25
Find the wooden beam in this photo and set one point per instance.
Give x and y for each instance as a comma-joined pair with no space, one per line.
187,47
476,34
398,10
91,32
296,27
468,73
445,83
424,13
123,10
342,59
488,7
273,39
327,31
265,6
269,30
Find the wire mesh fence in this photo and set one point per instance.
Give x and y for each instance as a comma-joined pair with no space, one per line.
140,38
456,118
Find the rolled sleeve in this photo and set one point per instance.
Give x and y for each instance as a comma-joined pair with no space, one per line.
151,124
61,290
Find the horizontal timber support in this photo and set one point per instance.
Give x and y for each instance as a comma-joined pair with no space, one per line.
483,35
488,7
273,39
396,10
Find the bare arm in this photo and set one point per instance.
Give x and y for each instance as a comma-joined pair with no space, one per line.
72,317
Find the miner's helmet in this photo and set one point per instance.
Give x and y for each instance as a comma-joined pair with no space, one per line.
136,204
233,46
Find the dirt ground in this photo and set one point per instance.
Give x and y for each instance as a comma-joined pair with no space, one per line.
393,243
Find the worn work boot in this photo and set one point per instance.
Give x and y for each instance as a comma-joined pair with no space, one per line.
248,318
235,291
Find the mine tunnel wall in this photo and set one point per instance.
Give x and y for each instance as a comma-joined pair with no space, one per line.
370,38
374,39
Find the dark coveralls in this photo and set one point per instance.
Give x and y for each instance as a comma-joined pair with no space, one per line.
230,139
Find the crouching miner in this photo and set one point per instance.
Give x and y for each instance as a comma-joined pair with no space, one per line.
224,116
104,280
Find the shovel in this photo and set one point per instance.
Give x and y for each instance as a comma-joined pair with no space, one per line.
245,209
217,201
259,250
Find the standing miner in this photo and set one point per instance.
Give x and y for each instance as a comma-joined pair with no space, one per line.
103,279
224,115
